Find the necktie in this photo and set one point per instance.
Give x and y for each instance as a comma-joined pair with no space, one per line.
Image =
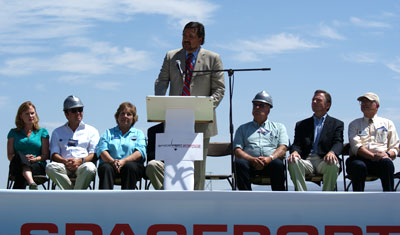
188,75
371,127
317,133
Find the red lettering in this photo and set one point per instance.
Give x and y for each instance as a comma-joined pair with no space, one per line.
70,229
155,228
383,230
310,230
332,229
27,228
122,228
241,229
198,229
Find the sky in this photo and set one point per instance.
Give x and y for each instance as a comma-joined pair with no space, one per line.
107,52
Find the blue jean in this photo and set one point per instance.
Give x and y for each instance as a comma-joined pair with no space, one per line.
275,170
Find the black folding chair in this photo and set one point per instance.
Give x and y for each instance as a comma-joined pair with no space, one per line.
260,179
39,180
151,148
346,152
222,149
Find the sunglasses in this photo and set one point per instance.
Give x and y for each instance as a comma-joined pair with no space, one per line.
74,110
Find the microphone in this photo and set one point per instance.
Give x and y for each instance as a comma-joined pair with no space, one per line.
178,65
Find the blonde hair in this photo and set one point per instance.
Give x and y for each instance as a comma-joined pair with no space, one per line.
19,123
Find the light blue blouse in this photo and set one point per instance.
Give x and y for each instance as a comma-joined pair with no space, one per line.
120,146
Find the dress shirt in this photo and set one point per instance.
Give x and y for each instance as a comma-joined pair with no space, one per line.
380,136
120,146
318,124
194,58
261,140
74,144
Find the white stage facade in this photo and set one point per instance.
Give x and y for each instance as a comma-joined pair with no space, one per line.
198,212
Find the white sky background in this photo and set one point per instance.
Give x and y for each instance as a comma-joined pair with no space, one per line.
107,52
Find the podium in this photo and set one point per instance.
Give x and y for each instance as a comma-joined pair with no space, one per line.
179,146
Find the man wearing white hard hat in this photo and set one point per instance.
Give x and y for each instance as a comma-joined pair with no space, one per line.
72,149
373,145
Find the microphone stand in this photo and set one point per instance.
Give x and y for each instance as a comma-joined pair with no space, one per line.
231,130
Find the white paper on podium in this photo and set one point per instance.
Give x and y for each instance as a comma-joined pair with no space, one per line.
183,147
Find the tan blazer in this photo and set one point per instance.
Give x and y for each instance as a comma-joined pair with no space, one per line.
202,84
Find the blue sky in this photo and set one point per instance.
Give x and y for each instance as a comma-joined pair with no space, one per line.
107,52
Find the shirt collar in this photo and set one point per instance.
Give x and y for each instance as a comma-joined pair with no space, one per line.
81,124
129,131
316,119
262,124
194,53
367,119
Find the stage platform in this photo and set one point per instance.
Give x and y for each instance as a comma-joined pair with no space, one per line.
198,212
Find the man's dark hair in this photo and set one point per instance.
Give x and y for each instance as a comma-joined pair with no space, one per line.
200,29
328,99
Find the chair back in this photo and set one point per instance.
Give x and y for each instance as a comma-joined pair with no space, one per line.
216,149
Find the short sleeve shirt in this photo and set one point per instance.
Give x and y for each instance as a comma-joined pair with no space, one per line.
120,146
74,144
260,140
31,145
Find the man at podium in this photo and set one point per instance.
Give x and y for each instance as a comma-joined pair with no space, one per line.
180,73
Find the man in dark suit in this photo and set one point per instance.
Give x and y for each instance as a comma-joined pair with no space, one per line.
318,141
182,81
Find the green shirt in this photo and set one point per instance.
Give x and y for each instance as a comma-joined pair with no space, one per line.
31,145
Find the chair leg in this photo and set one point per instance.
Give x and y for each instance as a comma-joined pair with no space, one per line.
397,185
10,183
230,182
348,186
147,184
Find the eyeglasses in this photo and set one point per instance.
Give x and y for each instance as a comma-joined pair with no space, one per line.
259,105
367,102
74,110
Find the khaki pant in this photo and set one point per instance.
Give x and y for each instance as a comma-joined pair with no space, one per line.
155,171
313,163
59,174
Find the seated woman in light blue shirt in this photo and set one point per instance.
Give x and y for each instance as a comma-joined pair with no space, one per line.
27,147
122,151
